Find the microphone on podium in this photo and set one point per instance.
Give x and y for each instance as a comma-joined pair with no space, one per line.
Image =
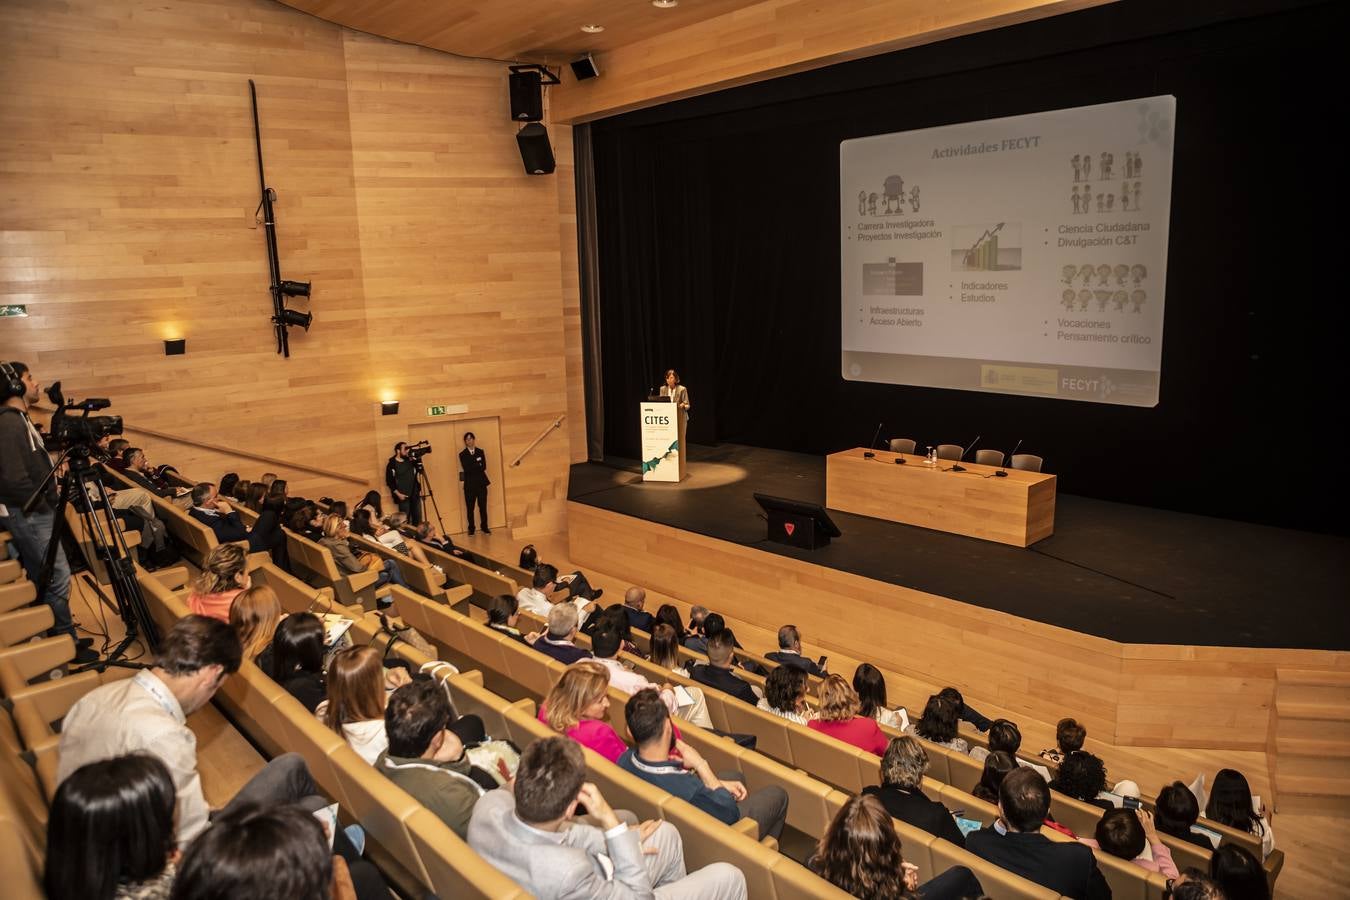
1003,471
868,454
958,467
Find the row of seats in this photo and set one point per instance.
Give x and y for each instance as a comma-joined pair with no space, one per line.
1026,461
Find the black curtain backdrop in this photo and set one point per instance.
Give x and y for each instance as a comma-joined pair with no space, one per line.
718,240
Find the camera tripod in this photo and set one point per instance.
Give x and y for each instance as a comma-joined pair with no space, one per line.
425,493
82,483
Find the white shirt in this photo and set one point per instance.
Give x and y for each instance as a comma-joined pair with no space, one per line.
367,736
536,604
138,715
631,682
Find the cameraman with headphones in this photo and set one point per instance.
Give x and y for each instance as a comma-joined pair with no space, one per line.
24,463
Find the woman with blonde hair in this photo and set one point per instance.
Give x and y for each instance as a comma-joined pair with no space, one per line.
577,706
254,615
840,720
336,537
224,576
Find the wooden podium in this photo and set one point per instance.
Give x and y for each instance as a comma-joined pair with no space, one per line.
663,454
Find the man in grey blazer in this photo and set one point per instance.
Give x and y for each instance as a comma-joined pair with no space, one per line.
530,834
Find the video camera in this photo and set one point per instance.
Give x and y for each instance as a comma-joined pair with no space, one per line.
83,430
418,450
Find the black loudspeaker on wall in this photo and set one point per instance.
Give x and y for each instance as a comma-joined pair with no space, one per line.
527,97
585,68
535,150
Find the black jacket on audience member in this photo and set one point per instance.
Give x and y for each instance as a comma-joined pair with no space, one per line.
228,528
1069,869
796,661
308,688
724,681
918,810
640,619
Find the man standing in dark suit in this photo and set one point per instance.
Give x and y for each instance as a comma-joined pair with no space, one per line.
473,461
1014,842
718,674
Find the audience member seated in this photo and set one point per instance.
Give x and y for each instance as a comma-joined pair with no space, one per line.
297,659
1082,776
254,615
938,724
695,639
228,482
338,508
871,687
426,533
257,493
138,470
1196,885
110,832
717,673
635,601
148,713
1014,842
996,767
615,618
357,694
1006,736
428,760
964,712
261,852
389,533
576,584
337,538
901,791
1129,835
529,833
307,521
669,615
789,652
268,535
361,524
840,720
112,449
241,490
785,695
1239,874
562,630
503,612
373,504
1230,803
543,594
209,508
224,574
665,647
577,707
1069,736
664,760
860,853
1175,813
605,645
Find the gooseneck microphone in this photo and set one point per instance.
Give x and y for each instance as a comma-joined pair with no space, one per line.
958,467
868,454
1003,470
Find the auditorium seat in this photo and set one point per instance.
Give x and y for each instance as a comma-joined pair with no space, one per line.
996,882
20,664
195,540
17,593
1027,462
421,578
25,623
10,570
989,457
452,868
950,451
296,596
23,822
902,445
357,589
487,582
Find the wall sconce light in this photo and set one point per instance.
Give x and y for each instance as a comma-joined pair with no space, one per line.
175,347
389,408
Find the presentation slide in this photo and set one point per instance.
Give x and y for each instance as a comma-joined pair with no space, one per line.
1024,255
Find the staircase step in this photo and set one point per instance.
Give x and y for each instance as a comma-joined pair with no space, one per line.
1307,709
1314,805
1320,747
1336,768
1311,785
1314,729
1313,676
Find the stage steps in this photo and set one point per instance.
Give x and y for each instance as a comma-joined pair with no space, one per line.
546,515
1312,741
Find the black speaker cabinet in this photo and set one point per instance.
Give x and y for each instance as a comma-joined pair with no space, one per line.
585,68
527,97
535,151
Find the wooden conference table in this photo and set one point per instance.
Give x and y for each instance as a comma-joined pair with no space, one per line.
1017,509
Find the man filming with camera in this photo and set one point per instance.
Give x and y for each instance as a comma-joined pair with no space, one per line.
400,474
24,464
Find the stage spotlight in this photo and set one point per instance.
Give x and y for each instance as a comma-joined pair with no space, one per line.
294,318
294,288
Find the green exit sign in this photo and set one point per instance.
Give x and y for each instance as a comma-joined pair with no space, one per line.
435,410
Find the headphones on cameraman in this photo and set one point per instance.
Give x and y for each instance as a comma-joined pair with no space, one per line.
11,382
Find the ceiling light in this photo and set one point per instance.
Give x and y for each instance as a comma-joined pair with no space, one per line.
665,4
592,29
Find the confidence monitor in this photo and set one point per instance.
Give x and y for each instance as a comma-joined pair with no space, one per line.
796,522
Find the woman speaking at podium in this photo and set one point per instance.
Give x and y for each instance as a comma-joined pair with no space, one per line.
678,393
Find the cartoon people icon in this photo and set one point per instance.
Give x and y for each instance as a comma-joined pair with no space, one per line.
1066,299
1106,165
1087,166
1087,198
1138,298
1138,168
862,203
1125,195
1120,271
1138,196
1102,297
914,198
1084,298
1101,203
1110,202
1120,298
1103,273
872,204
1067,273
894,189
1077,163
1086,272
1138,272
1077,201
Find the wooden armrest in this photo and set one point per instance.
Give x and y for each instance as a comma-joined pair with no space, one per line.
747,826
359,581
472,675
53,699
10,570
459,592
31,660
22,624
16,594
46,759
174,579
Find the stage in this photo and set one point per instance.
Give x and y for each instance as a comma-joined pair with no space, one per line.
1124,573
